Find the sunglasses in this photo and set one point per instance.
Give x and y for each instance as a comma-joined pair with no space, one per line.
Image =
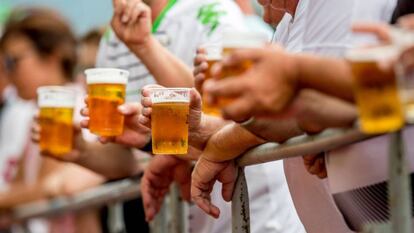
10,62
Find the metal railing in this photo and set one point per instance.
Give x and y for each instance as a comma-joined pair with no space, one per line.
95,197
172,217
399,184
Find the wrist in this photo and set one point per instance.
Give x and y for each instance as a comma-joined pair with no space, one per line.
144,47
198,136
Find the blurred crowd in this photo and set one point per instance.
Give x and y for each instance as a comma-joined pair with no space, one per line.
271,69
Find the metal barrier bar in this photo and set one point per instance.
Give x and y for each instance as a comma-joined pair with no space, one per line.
302,145
240,205
177,210
95,197
399,186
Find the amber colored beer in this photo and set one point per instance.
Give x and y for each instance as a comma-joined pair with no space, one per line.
103,102
56,135
169,121
106,92
376,91
56,119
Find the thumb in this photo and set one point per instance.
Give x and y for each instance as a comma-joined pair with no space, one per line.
129,109
195,100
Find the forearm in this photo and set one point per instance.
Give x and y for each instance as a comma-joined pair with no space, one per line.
316,111
167,69
112,161
328,75
275,130
229,143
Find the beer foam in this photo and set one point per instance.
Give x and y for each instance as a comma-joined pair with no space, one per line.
244,39
106,75
170,95
372,53
56,97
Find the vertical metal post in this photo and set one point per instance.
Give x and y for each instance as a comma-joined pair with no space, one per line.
177,210
399,186
240,205
160,223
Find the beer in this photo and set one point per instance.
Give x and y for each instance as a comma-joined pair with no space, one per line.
214,55
56,119
376,91
106,91
169,120
235,40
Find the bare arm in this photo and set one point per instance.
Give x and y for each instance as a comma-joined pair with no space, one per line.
327,75
167,69
112,161
132,24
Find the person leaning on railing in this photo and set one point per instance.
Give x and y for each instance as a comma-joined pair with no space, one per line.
272,88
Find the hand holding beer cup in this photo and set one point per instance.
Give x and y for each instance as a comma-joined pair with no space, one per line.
53,127
172,113
207,56
134,134
132,22
265,89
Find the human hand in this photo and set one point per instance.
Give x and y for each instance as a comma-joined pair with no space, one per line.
315,164
134,134
198,134
131,22
158,176
265,89
203,179
200,67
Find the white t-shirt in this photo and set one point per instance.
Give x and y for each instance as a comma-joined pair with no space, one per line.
186,27
15,121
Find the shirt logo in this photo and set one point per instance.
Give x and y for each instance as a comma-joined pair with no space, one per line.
210,15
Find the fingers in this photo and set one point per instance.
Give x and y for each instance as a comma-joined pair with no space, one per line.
131,12
35,133
195,100
129,109
239,110
199,80
202,182
228,87
241,55
119,6
182,175
145,117
84,112
228,179
381,31
201,64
